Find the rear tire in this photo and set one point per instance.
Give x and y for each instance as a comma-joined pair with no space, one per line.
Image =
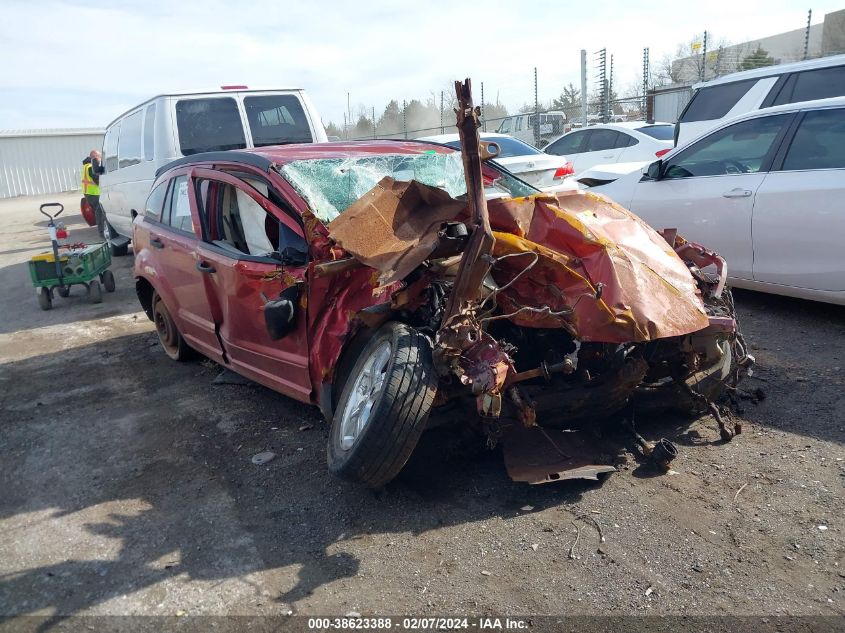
168,334
45,299
108,233
108,280
384,406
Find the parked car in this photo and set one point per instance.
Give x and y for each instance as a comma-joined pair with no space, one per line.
613,143
326,272
169,126
766,189
726,97
547,173
550,125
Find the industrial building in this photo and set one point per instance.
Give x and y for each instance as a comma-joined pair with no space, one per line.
37,162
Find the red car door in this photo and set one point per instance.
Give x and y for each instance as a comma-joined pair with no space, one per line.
242,271
172,243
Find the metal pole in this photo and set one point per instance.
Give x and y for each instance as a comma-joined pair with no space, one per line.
345,127
483,118
349,110
374,122
610,90
584,87
536,112
807,35
646,72
441,112
704,58
404,121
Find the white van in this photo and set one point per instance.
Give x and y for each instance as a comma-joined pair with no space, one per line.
551,125
723,98
173,125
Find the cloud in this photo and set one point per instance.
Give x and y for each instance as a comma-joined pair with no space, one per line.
74,64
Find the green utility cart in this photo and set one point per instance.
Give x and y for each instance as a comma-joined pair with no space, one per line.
84,266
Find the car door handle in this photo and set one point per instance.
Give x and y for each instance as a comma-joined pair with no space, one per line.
205,267
156,243
737,193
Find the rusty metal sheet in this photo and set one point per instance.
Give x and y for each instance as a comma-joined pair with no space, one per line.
585,242
394,226
538,456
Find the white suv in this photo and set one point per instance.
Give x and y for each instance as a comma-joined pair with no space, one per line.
738,93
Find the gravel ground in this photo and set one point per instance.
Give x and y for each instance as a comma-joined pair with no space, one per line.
126,487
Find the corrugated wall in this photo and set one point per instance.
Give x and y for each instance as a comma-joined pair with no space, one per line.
40,164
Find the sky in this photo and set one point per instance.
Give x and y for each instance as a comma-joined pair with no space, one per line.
82,65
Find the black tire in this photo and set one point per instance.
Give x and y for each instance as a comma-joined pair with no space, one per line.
168,334
398,411
45,299
108,234
64,291
108,280
95,292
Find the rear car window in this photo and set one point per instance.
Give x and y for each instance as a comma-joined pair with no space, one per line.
180,206
716,101
601,140
819,142
508,146
660,132
209,125
152,210
810,85
277,119
569,144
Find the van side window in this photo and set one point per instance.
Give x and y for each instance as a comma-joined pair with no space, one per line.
110,148
129,145
715,102
819,142
149,132
209,125
505,126
810,85
275,119
155,201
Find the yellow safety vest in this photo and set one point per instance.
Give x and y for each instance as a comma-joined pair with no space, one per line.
89,187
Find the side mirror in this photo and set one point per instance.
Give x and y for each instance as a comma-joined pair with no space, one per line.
655,169
280,314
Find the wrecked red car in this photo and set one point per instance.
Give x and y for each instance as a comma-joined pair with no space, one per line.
398,283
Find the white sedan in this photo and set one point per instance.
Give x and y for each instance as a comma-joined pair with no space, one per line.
547,173
613,143
766,190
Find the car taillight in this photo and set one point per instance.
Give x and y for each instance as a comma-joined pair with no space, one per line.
663,151
562,172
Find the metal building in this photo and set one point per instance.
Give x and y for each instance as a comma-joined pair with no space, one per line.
36,162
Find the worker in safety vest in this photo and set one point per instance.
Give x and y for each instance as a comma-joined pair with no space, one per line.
91,170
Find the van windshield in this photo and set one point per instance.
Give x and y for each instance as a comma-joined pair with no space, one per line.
277,119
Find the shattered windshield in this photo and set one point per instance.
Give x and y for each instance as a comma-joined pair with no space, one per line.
330,185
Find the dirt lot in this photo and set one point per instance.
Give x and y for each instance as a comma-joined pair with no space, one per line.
126,487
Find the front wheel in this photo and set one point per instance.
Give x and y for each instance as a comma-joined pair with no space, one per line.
384,406
107,277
